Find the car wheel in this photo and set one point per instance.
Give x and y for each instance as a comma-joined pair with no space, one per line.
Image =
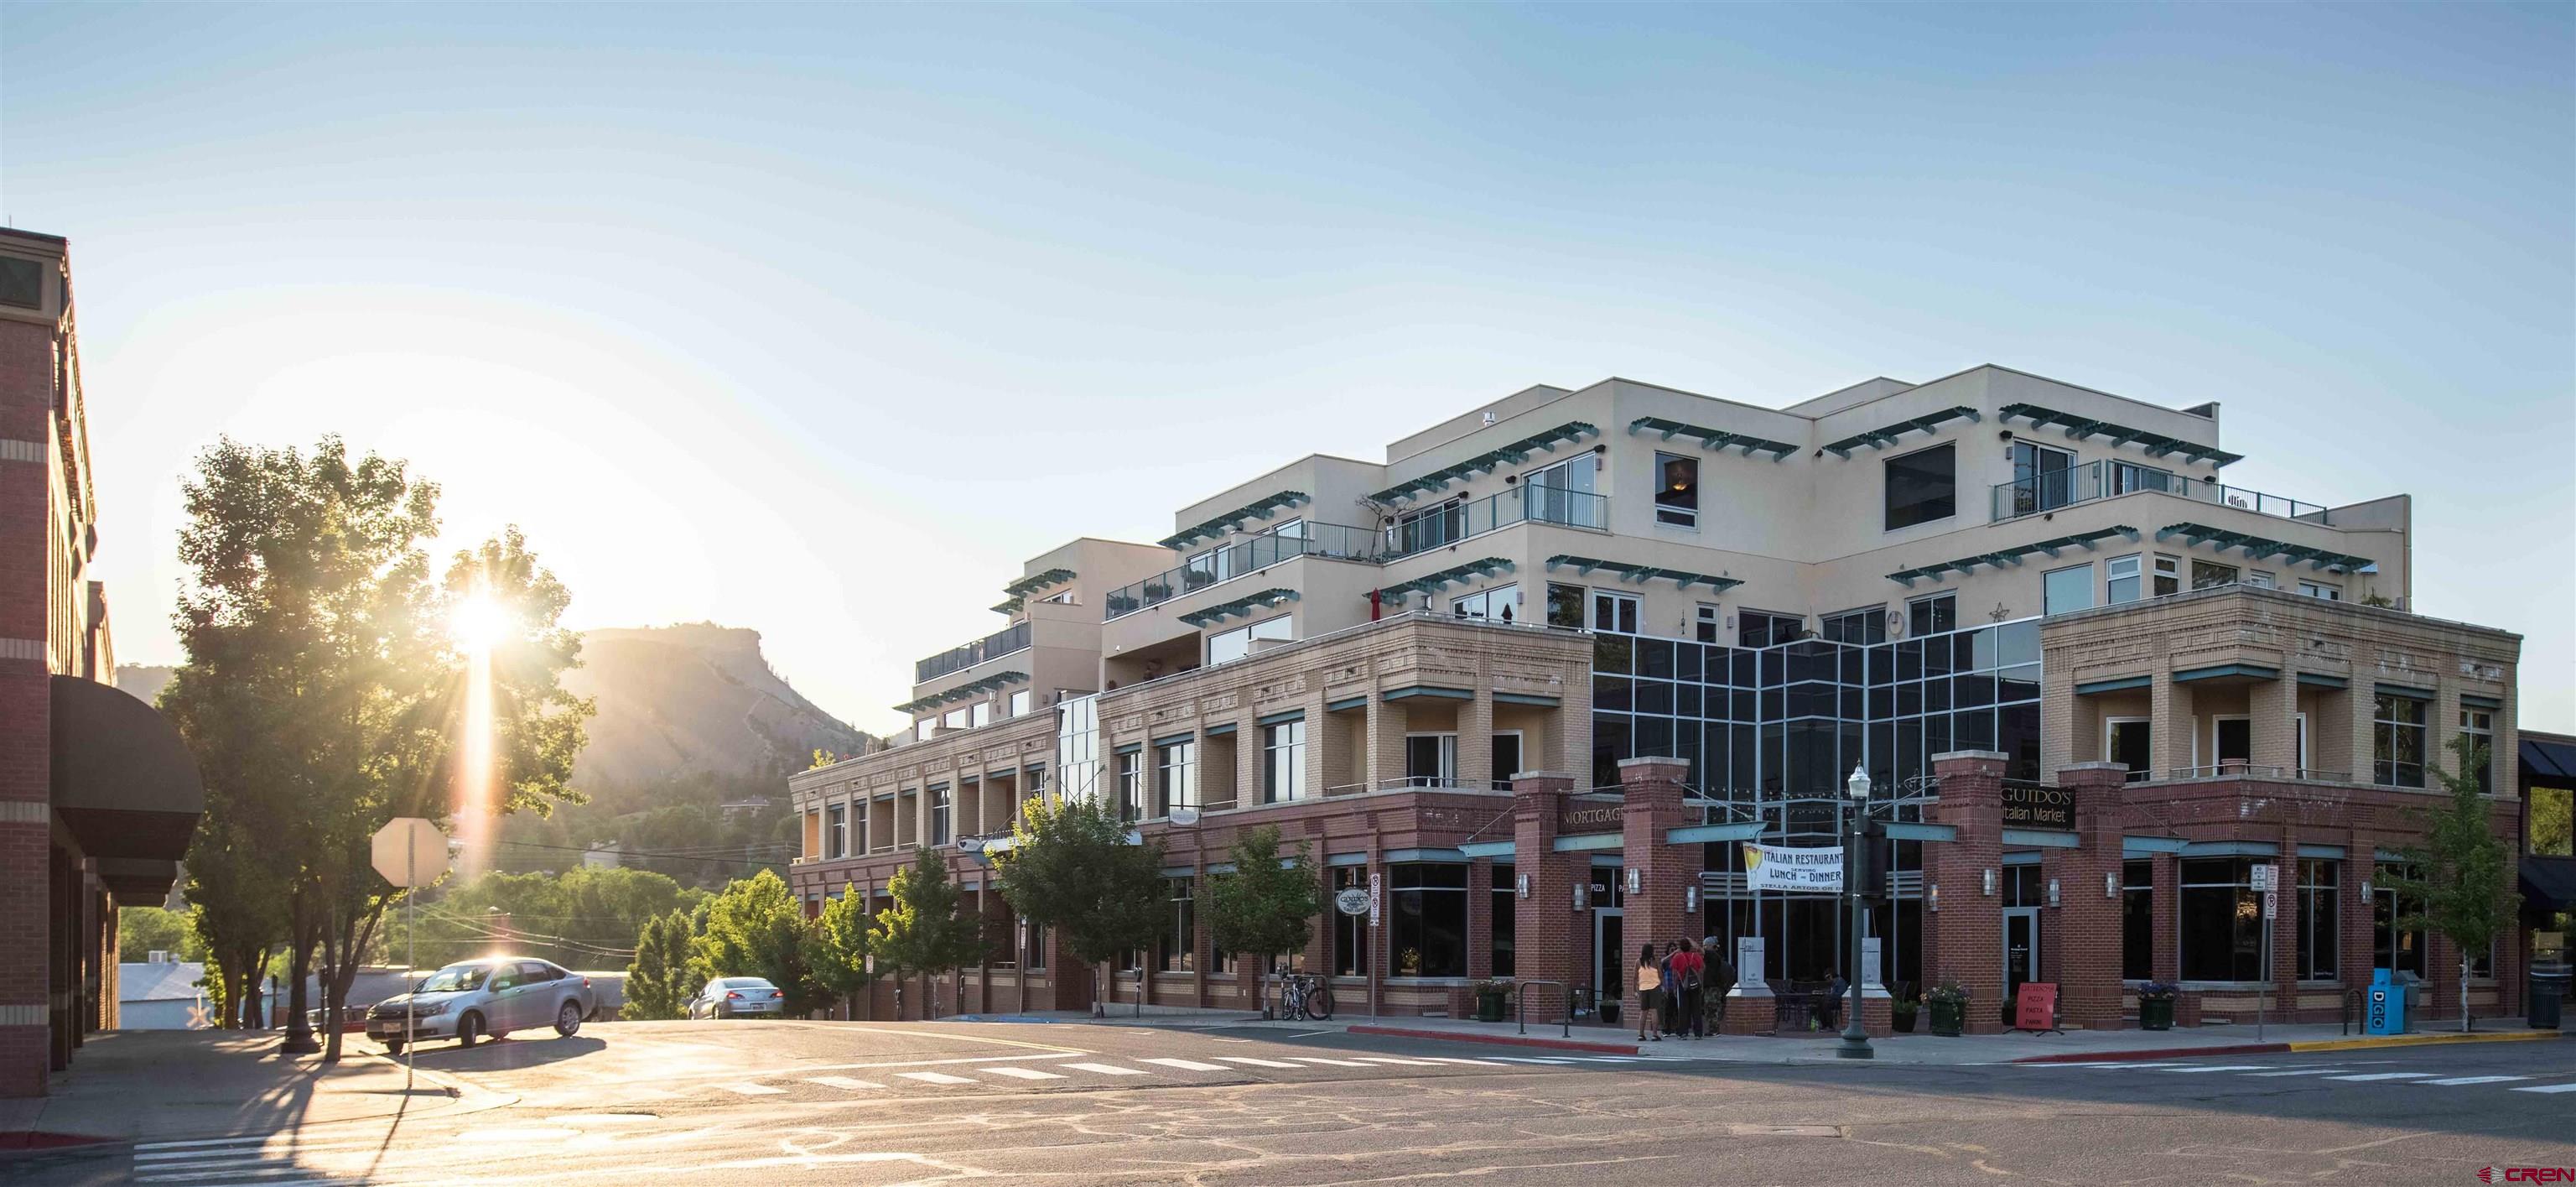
468,1029
568,1019
393,1046
722,1012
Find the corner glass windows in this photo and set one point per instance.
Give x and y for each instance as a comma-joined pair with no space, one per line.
1565,605
1283,761
1615,613
2122,580
2397,740
1501,603
1922,486
1228,646
1176,776
1427,919
1677,490
2210,574
1761,628
1932,615
2221,927
2068,589
1865,625
2318,916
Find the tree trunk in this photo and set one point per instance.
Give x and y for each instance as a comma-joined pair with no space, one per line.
352,939
299,965
1098,1008
2464,993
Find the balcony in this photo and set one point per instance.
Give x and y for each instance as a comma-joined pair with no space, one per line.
1226,563
964,656
1442,526
2057,489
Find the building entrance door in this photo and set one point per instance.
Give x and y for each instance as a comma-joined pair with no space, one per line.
2021,952
1609,956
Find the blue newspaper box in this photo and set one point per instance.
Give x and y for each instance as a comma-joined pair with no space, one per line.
2385,1011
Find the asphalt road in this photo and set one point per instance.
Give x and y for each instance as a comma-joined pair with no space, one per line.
787,1102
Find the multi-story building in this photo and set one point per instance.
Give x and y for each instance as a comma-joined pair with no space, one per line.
1532,679
98,795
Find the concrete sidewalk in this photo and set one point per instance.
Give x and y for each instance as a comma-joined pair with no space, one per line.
161,1084
1920,1048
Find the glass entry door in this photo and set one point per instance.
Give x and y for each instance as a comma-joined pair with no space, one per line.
2021,952
1610,955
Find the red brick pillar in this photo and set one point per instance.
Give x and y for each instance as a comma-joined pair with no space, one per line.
1661,873
2087,919
1544,926
1970,936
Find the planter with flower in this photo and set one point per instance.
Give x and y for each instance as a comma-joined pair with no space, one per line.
2156,1004
1491,995
1949,1004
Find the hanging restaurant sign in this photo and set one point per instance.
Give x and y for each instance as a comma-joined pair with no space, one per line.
2032,805
1778,867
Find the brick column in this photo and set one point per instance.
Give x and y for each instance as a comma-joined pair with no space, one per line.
1544,926
1970,936
2170,724
2087,920
2274,707
1663,872
1385,743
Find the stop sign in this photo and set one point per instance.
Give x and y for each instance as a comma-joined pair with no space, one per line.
410,851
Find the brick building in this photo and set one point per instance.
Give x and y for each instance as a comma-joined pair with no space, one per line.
1548,678
98,796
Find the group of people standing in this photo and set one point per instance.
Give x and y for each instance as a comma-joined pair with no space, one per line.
1683,991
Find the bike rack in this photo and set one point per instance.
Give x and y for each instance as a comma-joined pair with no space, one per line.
1520,1005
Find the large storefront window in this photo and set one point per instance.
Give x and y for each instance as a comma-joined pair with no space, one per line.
2397,740
1427,919
1178,941
2137,919
1350,932
2318,915
2221,926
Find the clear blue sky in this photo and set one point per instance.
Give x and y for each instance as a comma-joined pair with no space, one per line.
820,320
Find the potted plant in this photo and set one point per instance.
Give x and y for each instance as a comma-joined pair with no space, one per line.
2156,1004
1121,603
1490,996
1156,591
1197,578
1949,1002
1900,1015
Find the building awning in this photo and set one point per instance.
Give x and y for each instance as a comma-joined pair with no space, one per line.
1020,590
2552,761
1454,575
123,780
2012,556
2085,428
1718,440
2549,883
1641,574
1218,527
1882,438
2258,547
1489,461
992,683
1247,606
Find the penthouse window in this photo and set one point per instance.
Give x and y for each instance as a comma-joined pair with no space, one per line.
22,283
1677,490
1922,486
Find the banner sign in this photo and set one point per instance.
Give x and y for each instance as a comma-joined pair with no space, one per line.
1778,867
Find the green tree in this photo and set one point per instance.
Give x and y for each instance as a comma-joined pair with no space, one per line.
1267,906
1070,868
323,676
754,929
2460,877
921,929
662,978
839,952
140,931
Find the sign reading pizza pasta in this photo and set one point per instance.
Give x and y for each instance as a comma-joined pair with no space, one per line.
1778,867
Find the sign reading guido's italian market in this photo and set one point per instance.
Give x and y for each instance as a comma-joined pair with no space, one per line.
2031,805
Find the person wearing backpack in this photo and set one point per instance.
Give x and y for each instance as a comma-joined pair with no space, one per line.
1691,970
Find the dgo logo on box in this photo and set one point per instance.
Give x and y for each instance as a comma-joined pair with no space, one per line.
2527,1174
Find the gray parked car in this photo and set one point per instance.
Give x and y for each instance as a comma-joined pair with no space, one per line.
738,997
492,996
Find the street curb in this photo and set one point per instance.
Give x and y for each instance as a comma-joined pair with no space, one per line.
1497,1040
2413,1040
2426,1040
2157,1053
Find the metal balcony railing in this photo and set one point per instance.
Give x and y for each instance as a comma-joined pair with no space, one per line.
1229,561
2054,489
967,655
1436,527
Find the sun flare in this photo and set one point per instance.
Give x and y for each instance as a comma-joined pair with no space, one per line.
477,623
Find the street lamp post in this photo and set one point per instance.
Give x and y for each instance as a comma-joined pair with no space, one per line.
1855,1043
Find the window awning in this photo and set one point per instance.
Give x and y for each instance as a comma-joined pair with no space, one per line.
2012,556
1489,461
1882,438
2551,761
1641,574
2258,547
1246,605
122,780
2085,428
992,683
1216,529
1711,439
1454,575
1035,582
2549,883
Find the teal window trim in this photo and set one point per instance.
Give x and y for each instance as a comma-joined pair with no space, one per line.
1712,440
2473,701
1901,830
1881,438
2322,680
1177,871
2116,684
1590,841
1129,748
1701,834
1429,690
2151,846
2331,852
1476,570
1038,581
1345,703
2217,671
1246,606
1346,859
1584,566
1219,730
2387,855
1221,867
1396,856
2402,690
2231,849
1282,718
1174,739
1476,849
2026,857
1527,698
2039,838
2011,557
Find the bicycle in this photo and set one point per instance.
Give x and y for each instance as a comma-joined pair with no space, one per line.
1305,997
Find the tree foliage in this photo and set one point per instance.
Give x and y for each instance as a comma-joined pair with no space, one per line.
754,929
839,952
662,977
921,930
2460,878
141,931
1070,868
580,919
1267,906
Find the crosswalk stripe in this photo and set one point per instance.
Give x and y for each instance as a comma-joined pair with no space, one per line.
2214,1067
1255,1062
844,1082
1019,1073
1393,1060
2308,1071
1329,1062
1534,1059
1106,1069
246,1151
1609,1059
2099,1067
2386,1076
935,1077
2545,1088
246,1173
1188,1065
2456,1080
752,1089
1460,1059
252,1140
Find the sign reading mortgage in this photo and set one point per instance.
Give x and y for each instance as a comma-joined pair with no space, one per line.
1777,867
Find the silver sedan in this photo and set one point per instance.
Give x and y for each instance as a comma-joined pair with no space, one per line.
739,997
492,996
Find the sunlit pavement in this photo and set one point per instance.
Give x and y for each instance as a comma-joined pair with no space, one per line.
771,1102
